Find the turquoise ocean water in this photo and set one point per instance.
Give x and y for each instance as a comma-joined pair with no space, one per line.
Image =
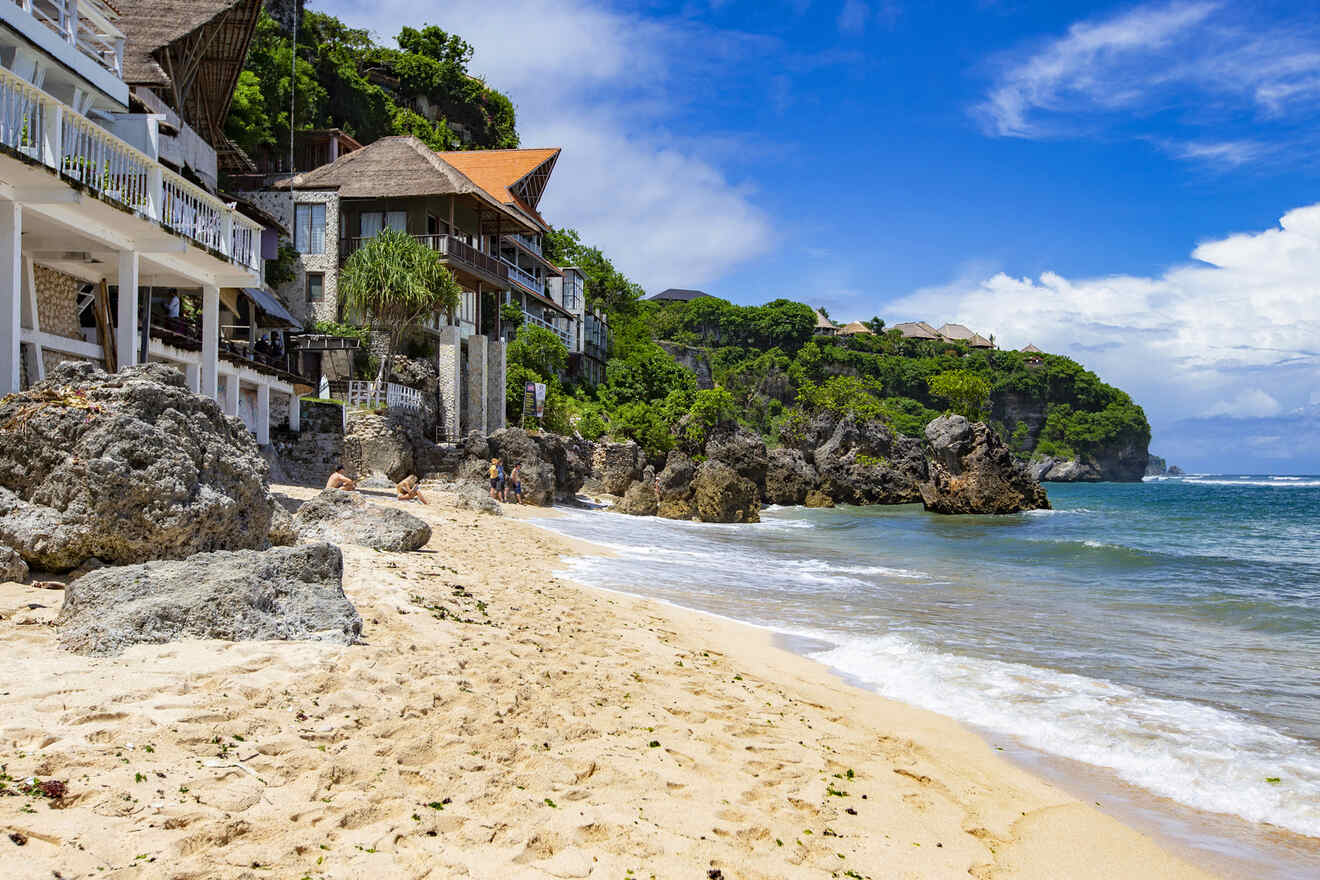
1166,632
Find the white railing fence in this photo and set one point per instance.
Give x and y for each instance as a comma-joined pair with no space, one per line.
371,395
85,24
540,322
523,277
39,126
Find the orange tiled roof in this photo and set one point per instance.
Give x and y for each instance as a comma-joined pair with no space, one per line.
509,175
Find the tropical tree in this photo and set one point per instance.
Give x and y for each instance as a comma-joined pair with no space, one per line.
392,283
967,393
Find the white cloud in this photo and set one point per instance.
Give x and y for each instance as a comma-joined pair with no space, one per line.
1250,404
1189,64
601,83
1236,333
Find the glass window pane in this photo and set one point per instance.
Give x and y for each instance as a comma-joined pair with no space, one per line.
300,218
371,224
315,286
316,236
397,220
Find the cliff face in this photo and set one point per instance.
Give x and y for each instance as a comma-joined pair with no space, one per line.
1121,459
694,360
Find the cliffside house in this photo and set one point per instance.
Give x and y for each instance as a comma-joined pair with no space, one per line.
959,333
824,326
110,250
1035,357
479,210
917,330
853,328
677,294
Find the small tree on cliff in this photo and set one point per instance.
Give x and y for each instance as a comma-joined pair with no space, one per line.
966,393
391,283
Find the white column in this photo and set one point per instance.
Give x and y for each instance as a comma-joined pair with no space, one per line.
193,374
230,403
295,413
263,414
210,342
11,294
126,334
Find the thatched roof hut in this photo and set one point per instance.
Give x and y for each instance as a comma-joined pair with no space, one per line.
1031,349
824,326
960,333
916,330
190,53
852,329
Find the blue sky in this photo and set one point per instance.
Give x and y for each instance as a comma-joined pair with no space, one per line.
1106,180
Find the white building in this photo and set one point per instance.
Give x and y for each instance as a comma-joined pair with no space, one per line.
108,253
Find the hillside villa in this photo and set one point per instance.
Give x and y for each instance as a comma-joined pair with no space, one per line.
114,245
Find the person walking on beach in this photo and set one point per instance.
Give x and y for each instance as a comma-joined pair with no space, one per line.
496,480
339,480
408,489
515,484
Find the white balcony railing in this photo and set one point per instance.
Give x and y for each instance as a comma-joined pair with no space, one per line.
524,278
540,322
370,395
42,128
531,243
87,25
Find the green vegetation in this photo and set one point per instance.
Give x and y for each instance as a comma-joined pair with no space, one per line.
393,282
966,393
345,80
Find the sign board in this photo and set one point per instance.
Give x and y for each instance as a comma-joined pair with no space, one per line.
529,402
540,400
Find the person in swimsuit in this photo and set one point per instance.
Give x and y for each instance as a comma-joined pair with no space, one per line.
496,479
338,480
515,485
409,490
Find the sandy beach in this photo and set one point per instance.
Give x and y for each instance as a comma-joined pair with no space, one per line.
501,722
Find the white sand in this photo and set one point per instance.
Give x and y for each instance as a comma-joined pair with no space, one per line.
569,733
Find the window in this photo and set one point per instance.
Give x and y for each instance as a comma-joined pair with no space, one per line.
309,229
468,308
315,286
375,221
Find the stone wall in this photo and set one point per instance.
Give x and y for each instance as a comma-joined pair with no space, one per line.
495,391
449,366
475,411
309,457
52,359
57,303
294,293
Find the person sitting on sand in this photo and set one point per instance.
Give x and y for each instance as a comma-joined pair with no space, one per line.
515,485
409,490
339,480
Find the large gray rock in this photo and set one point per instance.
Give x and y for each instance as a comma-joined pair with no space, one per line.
125,467
283,533
616,466
639,500
867,463
553,467
673,487
286,593
12,566
973,471
740,449
788,477
1062,470
471,497
380,443
720,494
346,518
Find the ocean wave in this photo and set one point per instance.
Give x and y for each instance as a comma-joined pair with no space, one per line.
1057,511
1198,755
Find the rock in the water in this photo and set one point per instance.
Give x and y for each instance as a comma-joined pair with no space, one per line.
1061,470
722,495
12,566
789,477
640,500
285,593
346,518
126,467
739,448
616,466
673,486
867,463
817,498
973,471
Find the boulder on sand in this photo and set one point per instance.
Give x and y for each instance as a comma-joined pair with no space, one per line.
616,466
342,517
973,471
285,593
552,467
12,566
673,487
641,498
126,467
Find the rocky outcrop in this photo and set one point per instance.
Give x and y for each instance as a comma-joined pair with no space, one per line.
867,463
381,443
125,467
616,466
720,494
1156,466
972,471
789,477
695,360
817,498
471,497
740,449
12,566
283,533
1062,470
286,593
346,518
640,499
553,467
673,487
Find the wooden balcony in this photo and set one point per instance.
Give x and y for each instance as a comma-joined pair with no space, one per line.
461,258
